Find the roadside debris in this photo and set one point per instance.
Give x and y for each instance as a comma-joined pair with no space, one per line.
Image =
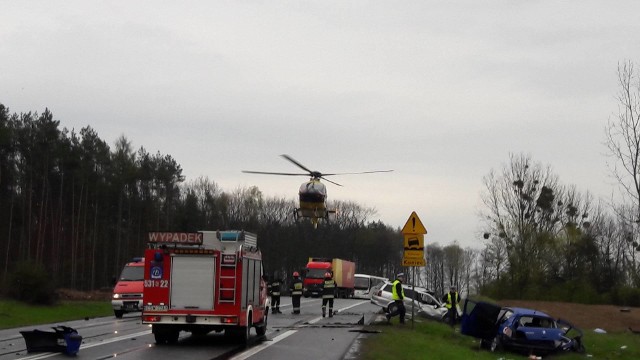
63,339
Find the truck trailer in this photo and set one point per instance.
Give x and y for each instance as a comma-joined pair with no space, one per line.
204,281
343,272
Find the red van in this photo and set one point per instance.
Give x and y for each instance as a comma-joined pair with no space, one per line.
127,294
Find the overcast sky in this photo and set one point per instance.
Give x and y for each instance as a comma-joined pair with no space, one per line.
439,91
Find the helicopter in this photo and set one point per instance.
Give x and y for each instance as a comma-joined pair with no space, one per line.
313,193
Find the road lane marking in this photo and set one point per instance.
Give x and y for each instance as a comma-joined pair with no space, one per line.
313,321
257,349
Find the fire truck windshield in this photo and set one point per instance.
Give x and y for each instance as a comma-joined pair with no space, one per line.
132,273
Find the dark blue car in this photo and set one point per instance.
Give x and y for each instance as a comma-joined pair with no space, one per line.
523,330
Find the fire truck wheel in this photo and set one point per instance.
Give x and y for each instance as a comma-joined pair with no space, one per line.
166,336
245,332
118,313
262,328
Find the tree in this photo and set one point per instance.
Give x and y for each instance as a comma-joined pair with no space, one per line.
523,209
623,143
623,136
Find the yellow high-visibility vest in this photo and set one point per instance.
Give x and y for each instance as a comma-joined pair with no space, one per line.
395,293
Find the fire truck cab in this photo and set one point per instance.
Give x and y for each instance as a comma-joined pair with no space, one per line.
204,281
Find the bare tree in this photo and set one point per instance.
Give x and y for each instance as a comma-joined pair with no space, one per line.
623,142
623,135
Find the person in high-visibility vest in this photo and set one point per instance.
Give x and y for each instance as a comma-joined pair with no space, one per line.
397,293
274,289
296,292
451,301
328,293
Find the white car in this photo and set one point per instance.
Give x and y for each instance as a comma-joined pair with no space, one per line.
426,305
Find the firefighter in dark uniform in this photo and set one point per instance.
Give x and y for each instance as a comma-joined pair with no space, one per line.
274,289
328,293
296,292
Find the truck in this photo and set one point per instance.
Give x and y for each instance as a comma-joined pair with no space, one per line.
343,272
127,292
204,281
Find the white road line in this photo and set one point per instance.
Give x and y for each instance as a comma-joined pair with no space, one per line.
257,349
339,310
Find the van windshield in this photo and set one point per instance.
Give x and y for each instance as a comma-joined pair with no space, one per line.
132,273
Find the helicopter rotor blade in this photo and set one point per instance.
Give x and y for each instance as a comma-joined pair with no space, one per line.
297,163
273,173
357,173
333,182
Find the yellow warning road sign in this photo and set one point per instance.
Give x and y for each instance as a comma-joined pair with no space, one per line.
414,225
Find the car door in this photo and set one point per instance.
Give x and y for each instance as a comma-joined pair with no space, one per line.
479,319
431,307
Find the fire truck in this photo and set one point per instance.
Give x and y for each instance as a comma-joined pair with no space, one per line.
204,281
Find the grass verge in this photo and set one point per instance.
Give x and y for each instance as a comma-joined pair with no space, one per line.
16,314
434,340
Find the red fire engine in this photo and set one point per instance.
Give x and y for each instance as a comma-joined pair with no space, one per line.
204,281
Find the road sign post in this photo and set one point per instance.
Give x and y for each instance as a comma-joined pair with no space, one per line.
413,232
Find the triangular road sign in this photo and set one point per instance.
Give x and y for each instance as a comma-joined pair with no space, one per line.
414,225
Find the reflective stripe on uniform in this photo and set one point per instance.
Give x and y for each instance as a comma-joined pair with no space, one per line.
297,289
328,288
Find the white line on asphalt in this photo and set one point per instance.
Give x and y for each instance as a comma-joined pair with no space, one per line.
257,349
339,310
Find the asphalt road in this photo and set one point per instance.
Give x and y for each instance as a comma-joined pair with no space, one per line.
291,337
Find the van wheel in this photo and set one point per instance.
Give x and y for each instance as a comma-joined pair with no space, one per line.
118,313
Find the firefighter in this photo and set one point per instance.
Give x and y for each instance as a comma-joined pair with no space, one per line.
328,293
296,292
274,289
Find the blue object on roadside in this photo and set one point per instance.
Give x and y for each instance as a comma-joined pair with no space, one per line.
64,339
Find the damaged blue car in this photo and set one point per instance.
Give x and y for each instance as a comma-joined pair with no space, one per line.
522,330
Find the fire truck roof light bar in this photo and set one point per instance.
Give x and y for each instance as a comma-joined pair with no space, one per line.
230,235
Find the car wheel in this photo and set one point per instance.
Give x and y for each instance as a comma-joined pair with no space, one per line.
392,308
578,346
496,344
485,344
